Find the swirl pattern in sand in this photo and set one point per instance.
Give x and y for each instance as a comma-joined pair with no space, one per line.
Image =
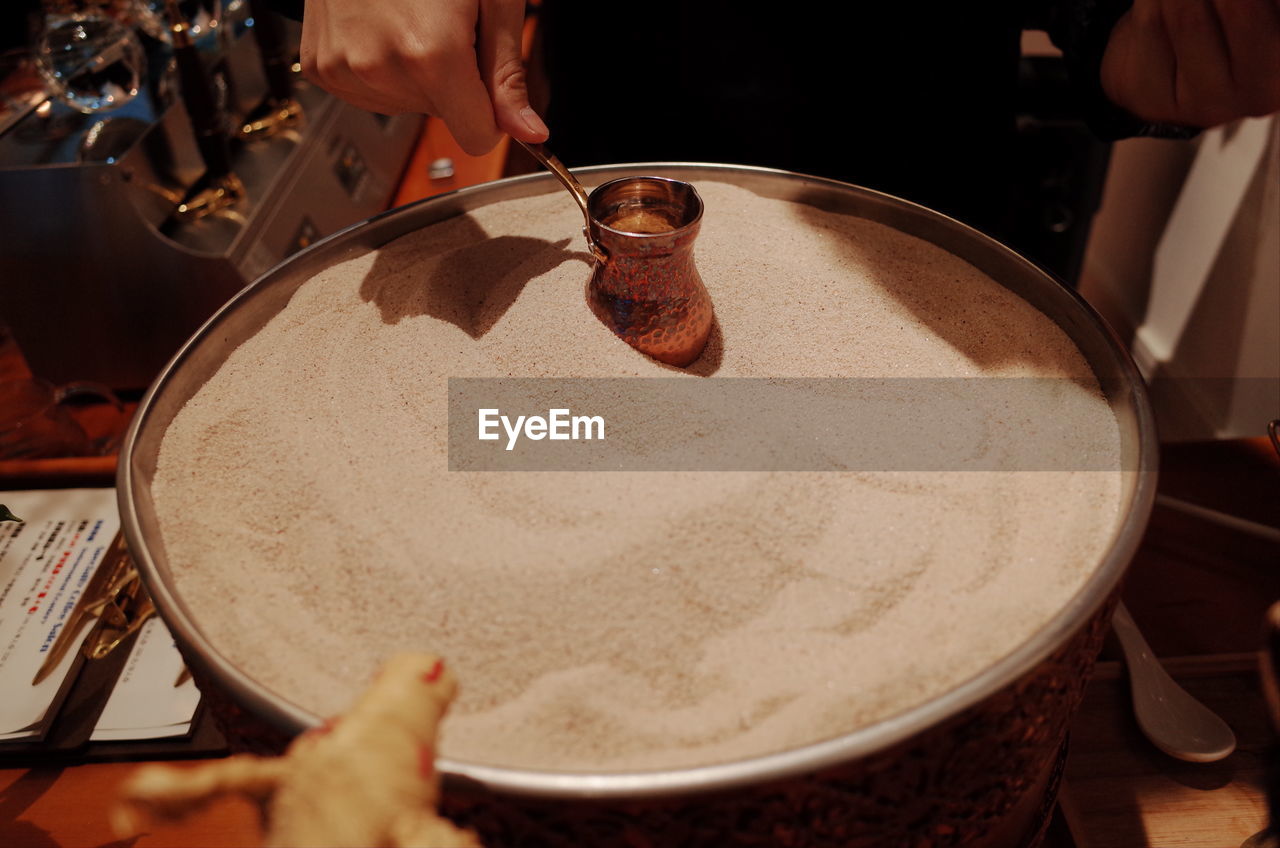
634,620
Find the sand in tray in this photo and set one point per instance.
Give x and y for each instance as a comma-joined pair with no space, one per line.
618,621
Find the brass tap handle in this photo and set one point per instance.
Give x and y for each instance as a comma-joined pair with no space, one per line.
216,195
277,53
198,95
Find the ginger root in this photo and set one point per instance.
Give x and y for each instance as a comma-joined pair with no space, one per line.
365,779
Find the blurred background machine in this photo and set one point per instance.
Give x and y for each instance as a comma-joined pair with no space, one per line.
155,157
158,155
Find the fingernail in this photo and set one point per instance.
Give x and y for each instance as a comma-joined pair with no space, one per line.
533,122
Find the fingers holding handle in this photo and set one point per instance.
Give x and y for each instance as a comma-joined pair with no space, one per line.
502,68
457,60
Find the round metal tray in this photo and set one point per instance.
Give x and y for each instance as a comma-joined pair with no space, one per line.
250,310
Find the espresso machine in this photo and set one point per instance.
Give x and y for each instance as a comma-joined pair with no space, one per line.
124,228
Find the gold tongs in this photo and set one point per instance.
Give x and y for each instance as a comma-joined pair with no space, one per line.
116,597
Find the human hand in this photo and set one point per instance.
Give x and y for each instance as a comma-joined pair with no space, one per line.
1195,62
458,60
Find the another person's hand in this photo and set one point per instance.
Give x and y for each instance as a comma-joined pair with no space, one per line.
1195,62
458,60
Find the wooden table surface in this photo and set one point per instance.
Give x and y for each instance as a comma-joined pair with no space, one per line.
1198,589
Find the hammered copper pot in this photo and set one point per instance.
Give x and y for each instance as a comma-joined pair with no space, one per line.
975,766
645,284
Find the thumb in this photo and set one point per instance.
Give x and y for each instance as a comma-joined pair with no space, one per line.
501,68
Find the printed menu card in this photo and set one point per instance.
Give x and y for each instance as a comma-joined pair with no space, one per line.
47,562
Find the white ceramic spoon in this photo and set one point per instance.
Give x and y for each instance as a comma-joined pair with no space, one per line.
1175,722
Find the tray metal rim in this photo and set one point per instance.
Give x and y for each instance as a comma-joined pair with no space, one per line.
291,719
